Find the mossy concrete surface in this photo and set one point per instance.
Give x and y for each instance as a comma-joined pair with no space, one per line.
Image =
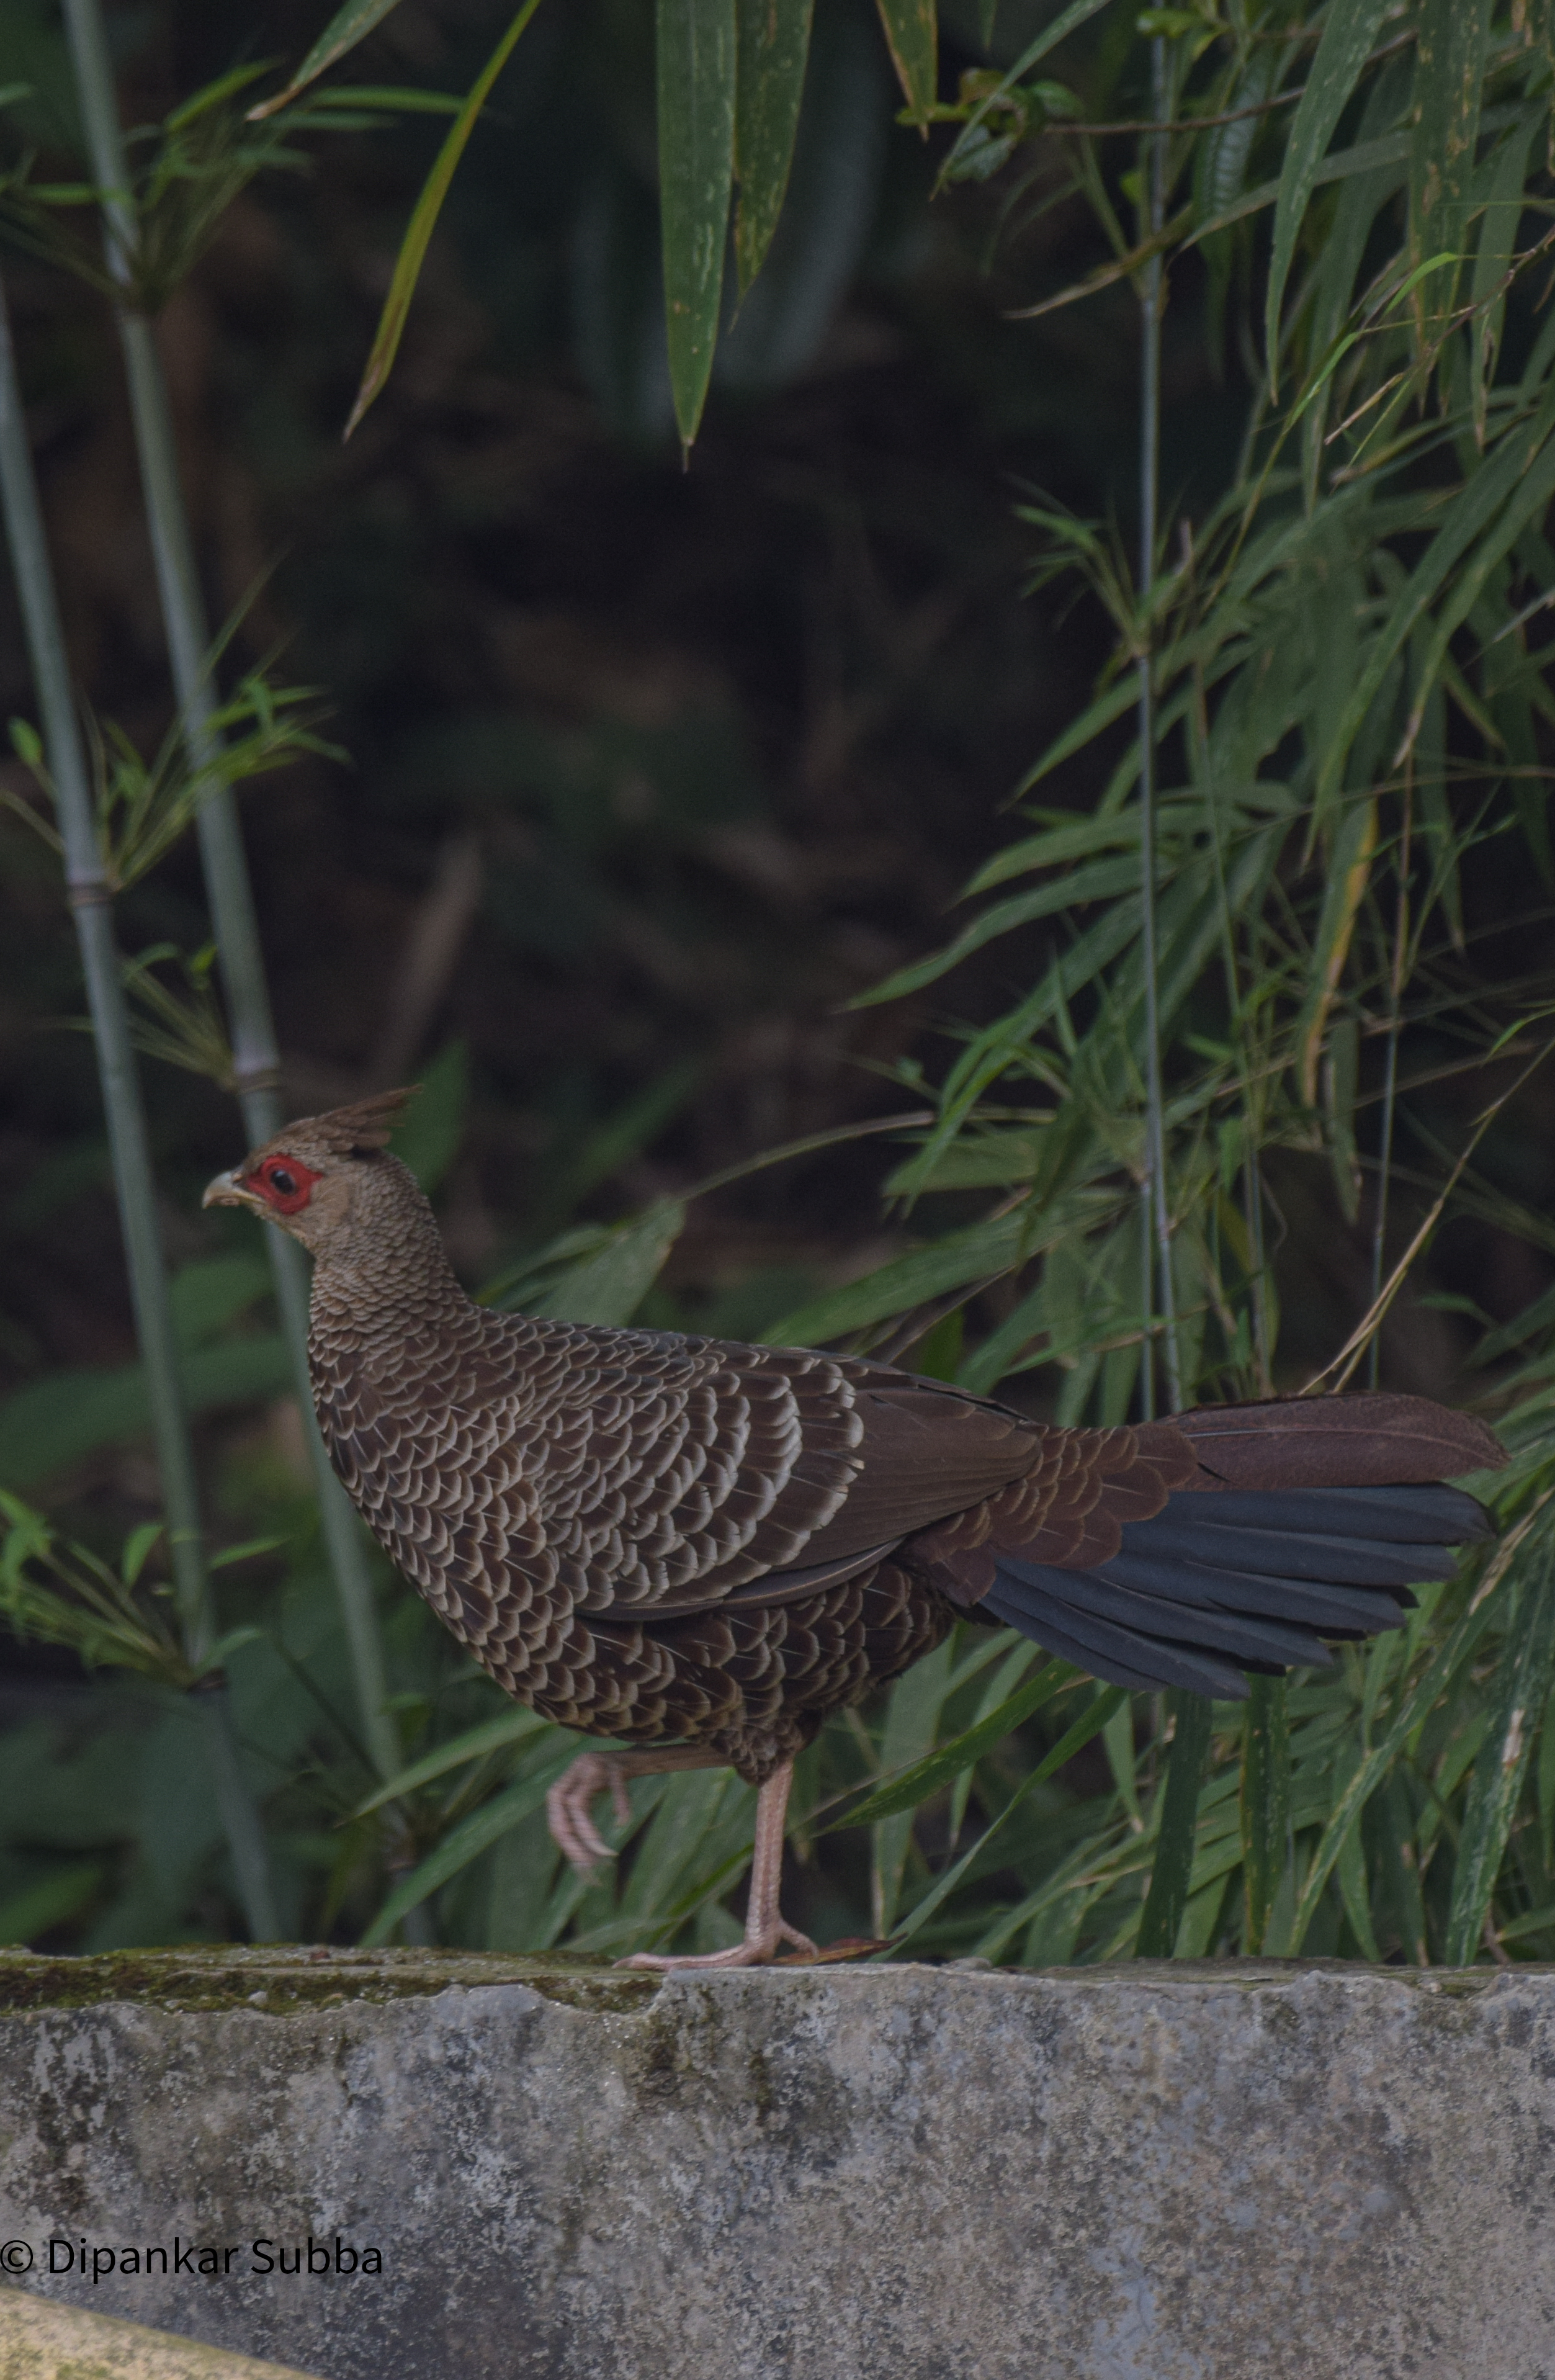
40,2341
401,2165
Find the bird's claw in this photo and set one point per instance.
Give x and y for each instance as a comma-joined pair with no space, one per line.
569,1809
756,1951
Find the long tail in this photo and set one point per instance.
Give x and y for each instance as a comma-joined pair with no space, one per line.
1274,1527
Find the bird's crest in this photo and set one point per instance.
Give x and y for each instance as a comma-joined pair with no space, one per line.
368,1124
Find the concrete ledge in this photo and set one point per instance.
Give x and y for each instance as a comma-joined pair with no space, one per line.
554,2172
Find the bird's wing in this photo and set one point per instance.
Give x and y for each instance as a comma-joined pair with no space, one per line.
641,1471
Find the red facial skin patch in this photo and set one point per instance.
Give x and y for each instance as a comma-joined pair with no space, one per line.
284,1183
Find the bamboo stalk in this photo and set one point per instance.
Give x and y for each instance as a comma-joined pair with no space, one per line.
89,897
1157,1221
1172,1865
239,955
1390,1071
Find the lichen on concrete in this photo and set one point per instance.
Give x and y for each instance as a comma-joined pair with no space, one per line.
282,1981
563,2172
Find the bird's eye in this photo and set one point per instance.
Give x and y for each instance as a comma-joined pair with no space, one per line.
285,1183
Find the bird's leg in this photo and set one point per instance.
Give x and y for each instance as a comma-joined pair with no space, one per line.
569,1804
764,1926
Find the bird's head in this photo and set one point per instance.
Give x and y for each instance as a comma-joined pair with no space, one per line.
324,1177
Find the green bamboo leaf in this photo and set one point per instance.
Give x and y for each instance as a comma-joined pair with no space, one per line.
1354,1894
492,1735
610,1285
697,48
1389,150
912,1721
1058,848
471,1837
1013,1665
1530,501
1528,1670
1265,1802
774,40
1514,481
1443,1673
429,206
402,98
912,37
1448,79
346,28
1503,175
982,1250
1347,874
1090,1723
1349,29
927,1776
1116,926
701,1820
982,1160
1171,1870
1067,22
1400,1865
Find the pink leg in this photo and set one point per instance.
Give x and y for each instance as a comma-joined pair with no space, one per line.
569,1804
764,1926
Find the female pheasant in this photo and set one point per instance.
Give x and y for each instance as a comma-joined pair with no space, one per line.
702,1548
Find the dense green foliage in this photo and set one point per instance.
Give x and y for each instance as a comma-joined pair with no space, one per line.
1342,638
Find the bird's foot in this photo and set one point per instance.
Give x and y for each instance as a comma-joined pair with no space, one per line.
754,1952
569,1808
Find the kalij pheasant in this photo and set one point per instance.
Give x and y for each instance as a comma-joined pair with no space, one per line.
702,1549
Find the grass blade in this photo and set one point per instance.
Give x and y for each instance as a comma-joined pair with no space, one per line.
611,1284
1172,1870
429,206
1503,1758
471,1837
937,1768
492,1735
1442,1673
1091,1722
349,26
1449,80
912,1720
985,1249
1266,1801
1348,33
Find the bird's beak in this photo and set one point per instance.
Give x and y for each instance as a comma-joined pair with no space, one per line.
226,1190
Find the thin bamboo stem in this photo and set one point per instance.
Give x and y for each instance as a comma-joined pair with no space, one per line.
1391,1074
1158,1223
89,897
240,957
1172,1865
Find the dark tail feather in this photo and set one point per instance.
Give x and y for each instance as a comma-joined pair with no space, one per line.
1217,1585
1122,1655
